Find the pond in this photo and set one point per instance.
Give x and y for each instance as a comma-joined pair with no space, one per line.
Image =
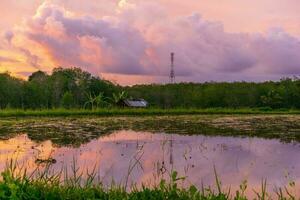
145,157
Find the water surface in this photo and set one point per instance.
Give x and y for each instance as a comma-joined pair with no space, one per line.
152,156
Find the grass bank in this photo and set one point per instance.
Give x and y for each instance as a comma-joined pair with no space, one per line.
139,112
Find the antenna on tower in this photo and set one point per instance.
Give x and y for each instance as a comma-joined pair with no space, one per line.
172,72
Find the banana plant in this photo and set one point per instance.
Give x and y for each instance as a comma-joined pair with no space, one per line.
117,98
96,101
101,100
91,101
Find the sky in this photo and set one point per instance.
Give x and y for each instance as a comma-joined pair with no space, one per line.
130,41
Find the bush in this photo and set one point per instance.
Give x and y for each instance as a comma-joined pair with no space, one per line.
265,108
67,100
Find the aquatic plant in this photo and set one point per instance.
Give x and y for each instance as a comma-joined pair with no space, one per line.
79,130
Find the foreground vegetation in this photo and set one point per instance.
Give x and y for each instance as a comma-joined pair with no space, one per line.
17,184
74,88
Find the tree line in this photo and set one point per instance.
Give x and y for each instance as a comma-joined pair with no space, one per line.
74,88
269,95
68,88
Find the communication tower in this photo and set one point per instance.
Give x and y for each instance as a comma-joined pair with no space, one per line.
172,72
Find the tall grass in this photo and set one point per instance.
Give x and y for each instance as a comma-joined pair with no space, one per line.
137,112
18,184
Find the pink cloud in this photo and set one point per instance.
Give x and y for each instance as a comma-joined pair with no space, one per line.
133,42
6,59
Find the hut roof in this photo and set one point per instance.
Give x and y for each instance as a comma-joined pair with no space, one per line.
137,103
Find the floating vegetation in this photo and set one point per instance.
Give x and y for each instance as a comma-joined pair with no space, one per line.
45,161
75,131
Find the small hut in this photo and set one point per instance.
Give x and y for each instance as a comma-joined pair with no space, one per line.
135,103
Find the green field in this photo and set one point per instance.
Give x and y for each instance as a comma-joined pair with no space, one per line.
140,112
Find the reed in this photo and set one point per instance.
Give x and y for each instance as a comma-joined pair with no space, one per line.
18,184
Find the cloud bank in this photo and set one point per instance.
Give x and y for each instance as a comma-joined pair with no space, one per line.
138,38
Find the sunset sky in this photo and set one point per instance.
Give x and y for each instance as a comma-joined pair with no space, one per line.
129,41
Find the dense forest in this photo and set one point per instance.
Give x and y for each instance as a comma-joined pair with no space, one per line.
74,88
282,94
